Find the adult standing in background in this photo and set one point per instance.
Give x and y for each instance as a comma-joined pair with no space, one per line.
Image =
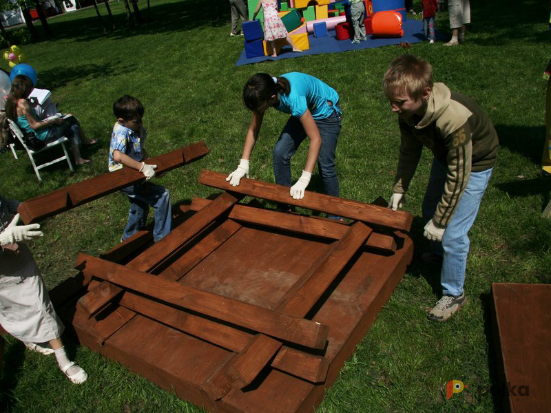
238,11
460,15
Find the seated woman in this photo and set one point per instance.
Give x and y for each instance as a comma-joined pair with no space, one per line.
21,112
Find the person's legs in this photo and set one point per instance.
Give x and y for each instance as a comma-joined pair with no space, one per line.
73,371
290,139
432,36
70,129
455,8
292,44
455,241
329,129
274,48
137,213
234,16
426,28
242,10
355,13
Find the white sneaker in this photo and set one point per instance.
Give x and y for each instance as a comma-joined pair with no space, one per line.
431,41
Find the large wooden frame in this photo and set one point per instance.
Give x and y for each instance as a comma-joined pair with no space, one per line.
240,305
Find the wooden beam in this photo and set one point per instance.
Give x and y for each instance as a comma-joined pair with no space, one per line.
97,298
71,196
285,327
166,248
319,202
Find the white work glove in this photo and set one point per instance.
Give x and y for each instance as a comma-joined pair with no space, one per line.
241,171
14,233
148,170
396,201
297,190
432,232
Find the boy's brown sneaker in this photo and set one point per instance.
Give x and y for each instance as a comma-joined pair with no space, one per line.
446,307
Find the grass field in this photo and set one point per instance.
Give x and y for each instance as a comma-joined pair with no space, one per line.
181,65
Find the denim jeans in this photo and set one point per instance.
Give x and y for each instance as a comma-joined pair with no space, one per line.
428,26
141,196
455,243
292,136
69,128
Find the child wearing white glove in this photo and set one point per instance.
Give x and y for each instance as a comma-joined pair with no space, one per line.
127,149
315,114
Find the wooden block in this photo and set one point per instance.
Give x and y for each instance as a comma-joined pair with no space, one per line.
311,368
199,251
63,199
208,330
98,298
112,323
165,248
521,319
273,323
319,202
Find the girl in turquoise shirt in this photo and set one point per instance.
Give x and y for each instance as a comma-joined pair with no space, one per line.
315,113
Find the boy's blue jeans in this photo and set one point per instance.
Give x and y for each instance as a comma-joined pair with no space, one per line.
141,196
455,243
292,136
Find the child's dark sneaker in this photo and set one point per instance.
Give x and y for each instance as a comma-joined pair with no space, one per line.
446,307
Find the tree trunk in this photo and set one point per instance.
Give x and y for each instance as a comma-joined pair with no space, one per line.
29,23
99,16
110,14
42,18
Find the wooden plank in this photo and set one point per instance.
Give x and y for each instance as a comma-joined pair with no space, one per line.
112,323
311,368
319,202
273,323
211,331
97,298
522,317
301,298
165,249
199,251
63,199
306,225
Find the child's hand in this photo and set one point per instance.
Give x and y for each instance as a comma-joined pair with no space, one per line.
241,171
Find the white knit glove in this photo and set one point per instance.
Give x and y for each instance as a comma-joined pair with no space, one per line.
241,171
14,233
432,232
297,190
396,201
148,170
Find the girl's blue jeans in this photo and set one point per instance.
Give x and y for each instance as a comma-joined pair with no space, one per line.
141,197
428,26
455,243
292,136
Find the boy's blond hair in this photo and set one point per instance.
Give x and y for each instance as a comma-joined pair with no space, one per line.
408,73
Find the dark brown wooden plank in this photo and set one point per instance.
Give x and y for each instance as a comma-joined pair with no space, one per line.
108,326
302,297
319,202
311,368
282,326
179,236
63,199
211,331
187,261
97,298
522,316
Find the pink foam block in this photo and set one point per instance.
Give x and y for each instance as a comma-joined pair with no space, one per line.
331,22
300,29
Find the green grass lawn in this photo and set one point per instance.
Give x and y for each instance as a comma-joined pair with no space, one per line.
181,65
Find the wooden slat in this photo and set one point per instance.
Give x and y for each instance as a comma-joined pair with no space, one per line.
195,255
319,202
112,323
273,323
311,368
165,249
63,199
98,298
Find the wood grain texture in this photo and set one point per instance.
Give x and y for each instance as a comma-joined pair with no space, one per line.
293,329
372,214
63,199
98,297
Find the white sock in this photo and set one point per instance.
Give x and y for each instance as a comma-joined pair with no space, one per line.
63,360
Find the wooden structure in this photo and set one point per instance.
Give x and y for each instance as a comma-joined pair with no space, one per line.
522,320
240,304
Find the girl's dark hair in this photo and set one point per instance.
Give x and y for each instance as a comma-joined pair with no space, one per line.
128,108
261,87
21,88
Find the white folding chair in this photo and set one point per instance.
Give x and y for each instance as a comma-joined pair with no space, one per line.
61,141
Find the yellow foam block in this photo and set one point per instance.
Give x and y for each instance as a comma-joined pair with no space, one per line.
321,12
301,41
283,13
268,46
301,4
322,2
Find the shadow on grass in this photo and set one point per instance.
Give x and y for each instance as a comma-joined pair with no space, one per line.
13,363
526,141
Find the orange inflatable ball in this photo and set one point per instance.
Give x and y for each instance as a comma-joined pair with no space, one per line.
387,24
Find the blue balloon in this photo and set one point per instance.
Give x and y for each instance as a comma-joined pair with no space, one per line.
23,69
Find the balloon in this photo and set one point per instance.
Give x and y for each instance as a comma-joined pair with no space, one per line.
13,57
23,69
6,55
22,58
15,49
12,64
5,86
